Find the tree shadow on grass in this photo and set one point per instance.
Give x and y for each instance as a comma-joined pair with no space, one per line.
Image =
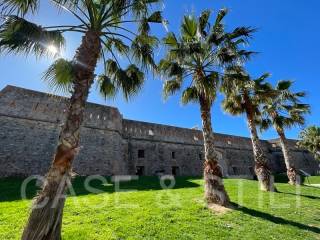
301,195
310,186
11,188
274,219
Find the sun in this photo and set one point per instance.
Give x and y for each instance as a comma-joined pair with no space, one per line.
53,49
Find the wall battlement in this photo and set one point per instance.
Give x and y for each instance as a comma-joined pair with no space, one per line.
30,122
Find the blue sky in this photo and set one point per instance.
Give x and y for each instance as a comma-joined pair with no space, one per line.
287,41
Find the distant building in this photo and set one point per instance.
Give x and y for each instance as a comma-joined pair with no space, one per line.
30,122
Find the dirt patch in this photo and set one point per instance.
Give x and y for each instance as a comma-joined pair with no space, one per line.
215,208
220,210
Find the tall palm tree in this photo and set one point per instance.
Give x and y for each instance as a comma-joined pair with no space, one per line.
108,29
243,95
285,110
309,139
193,63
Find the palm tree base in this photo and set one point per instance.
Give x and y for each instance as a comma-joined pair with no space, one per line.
294,178
215,192
45,219
265,178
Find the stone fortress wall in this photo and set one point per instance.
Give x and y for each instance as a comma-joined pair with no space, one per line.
30,122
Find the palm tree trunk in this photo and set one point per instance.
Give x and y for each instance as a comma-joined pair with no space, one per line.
45,219
214,188
294,178
262,169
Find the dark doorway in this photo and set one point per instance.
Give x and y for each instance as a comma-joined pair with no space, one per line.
140,170
175,171
173,155
235,170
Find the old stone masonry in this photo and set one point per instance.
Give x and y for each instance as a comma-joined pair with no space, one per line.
111,145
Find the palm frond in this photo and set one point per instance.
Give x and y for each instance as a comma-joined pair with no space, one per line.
284,85
142,50
262,78
204,22
140,8
189,27
106,87
170,40
129,81
60,76
242,32
221,14
144,27
233,104
174,70
21,7
264,123
190,94
156,17
118,45
309,139
20,36
170,87
111,67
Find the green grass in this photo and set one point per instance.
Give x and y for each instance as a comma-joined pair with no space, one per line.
313,180
179,213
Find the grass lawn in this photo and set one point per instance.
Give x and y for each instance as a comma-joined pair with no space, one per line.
179,213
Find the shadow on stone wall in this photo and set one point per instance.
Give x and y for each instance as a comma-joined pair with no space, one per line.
10,188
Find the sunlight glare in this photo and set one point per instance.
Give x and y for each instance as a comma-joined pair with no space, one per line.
53,49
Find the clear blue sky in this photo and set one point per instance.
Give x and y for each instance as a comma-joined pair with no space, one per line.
288,42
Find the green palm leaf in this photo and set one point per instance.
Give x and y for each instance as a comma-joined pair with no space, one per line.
106,87
130,81
170,87
189,27
20,36
190,94
60,75
310,140
19,6
204,22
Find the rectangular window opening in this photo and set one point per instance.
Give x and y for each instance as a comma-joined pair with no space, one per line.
140,153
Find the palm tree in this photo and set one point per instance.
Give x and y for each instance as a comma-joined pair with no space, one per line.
243,95
108,29
284,110
309,139
192,63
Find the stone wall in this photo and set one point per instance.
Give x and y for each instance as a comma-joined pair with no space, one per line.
29,127
30,122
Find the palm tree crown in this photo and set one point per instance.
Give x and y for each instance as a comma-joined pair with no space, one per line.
112,20
284,109
201,52
242,92
310,140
